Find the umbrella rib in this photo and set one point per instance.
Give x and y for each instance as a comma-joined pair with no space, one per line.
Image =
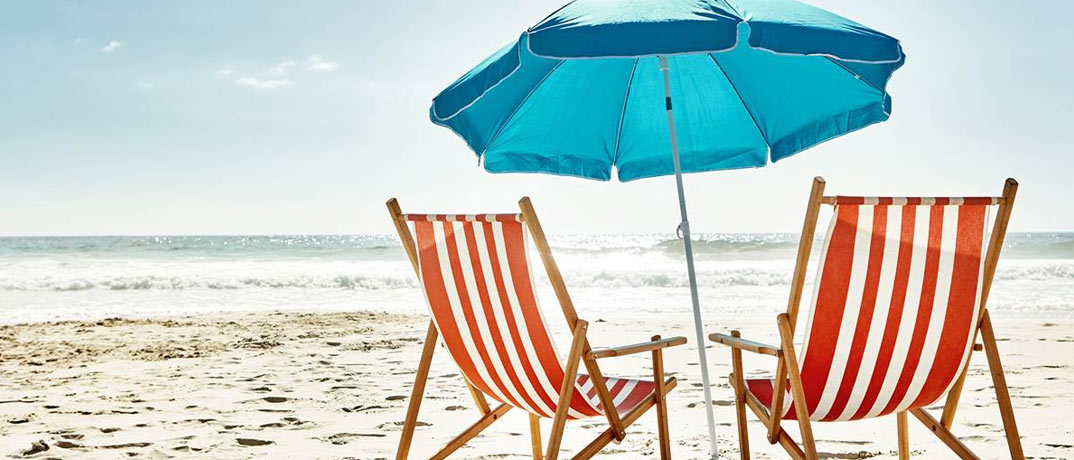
519,106
855,74
743,101
883,93
622,115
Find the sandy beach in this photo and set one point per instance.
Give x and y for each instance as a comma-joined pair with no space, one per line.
335,385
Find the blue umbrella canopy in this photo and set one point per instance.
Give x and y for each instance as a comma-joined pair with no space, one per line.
581,93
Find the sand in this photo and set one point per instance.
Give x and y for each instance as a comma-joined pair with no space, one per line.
334,385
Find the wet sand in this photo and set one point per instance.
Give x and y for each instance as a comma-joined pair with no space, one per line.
335,386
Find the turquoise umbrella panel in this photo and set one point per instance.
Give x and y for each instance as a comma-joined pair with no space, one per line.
569,123
594,118
713,128
800,101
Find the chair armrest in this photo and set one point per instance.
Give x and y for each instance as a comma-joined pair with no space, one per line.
747,345
599,353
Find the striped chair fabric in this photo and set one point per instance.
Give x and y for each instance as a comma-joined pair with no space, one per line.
476,276
895,307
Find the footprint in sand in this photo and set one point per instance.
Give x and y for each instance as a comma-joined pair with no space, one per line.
346,438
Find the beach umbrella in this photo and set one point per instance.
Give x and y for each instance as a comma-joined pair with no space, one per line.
644,88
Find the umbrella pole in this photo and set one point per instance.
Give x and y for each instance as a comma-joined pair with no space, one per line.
685,228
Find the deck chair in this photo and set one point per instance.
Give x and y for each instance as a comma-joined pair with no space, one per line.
475,273
898,304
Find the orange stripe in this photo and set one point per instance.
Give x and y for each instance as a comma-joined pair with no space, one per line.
830,304
468,312
440,305
505,301
898,299
520,275
865,315
924,312
490,317
959,320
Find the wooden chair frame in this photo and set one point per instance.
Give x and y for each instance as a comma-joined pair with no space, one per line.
787,365
580,353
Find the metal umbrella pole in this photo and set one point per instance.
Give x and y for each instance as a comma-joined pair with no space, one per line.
684,226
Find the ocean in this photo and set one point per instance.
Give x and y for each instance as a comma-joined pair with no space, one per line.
62,278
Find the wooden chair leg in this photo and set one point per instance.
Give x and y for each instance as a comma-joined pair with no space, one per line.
904,437
1003,396
660,395
535,436
416,393
606,437
951,405
472,431
801,412
945,435
566,391
479,399
739,385
782,437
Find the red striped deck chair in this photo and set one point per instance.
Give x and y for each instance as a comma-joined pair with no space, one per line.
475,273
898,304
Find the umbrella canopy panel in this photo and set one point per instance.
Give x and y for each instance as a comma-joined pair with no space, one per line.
749,86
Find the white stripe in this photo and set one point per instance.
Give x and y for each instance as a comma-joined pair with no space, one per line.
456,307
466,263
816,285
885,286
909,311
930,347
587,387
859,266
787,395
622,395
516,356
550,388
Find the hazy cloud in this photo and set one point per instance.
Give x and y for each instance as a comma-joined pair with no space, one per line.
111,46
252,82
282,67
319,64
225,71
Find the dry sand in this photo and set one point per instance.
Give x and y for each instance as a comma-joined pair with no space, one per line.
334,385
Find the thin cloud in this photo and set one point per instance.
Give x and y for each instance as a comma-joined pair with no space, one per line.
251,82
319,64
225,71
143,84
111,46
282,67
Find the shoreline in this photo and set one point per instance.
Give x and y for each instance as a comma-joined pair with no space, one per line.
335,385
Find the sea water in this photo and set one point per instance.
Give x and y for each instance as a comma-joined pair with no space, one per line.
58,278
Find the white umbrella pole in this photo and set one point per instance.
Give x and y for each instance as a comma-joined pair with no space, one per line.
685,227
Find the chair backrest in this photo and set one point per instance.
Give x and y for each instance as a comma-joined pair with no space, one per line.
896,304
475,273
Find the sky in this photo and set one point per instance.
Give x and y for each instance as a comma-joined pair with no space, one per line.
255,117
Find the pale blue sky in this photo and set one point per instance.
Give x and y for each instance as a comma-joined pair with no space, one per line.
152,117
